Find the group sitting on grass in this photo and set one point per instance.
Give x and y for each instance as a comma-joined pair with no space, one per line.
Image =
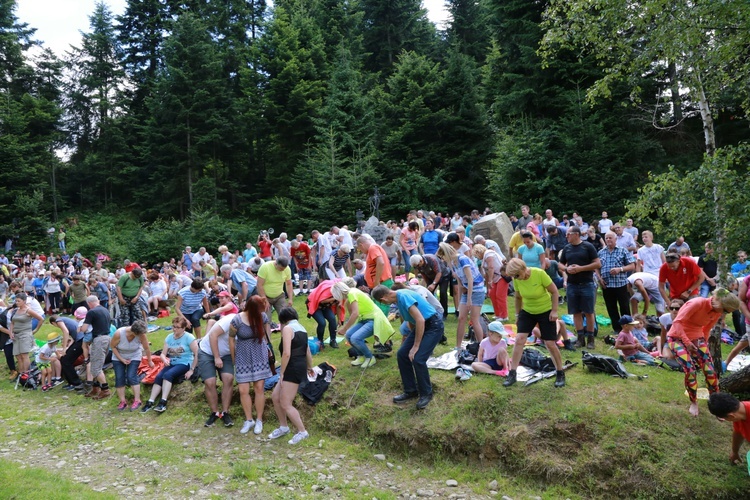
235,295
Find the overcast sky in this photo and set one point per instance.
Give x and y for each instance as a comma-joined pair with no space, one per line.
59,22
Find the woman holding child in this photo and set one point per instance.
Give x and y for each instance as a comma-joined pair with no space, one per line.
688,339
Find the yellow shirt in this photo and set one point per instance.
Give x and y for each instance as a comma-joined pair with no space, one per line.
515,242
274,279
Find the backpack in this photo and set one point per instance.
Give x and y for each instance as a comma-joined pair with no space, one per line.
653,327
596,363
469,355
485,327
534,359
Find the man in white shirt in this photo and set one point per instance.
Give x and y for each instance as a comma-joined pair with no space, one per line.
604,223
624,240
650,255
644,287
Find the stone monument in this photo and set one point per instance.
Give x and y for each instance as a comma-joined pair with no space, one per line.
496,227
374,229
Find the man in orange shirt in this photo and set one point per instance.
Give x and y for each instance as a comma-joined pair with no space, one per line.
726,407
377,265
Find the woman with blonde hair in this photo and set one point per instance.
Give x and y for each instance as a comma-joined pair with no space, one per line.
688,339
536,305
472,288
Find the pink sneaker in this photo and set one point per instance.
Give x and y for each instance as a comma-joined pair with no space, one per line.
122,405
136,404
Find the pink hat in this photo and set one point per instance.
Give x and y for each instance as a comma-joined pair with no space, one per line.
81,312
414,281
224,293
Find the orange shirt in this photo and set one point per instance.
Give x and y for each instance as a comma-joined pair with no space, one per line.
373,253
743,427
695,320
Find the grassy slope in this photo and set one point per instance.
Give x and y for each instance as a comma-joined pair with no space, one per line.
599,436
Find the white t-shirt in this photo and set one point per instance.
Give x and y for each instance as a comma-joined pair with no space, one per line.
650,282
605,225
46,350
205,343
346,237
651,258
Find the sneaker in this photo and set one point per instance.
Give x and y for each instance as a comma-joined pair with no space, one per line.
122,405
369,362
423,401
71,387
334,344
358,361
147,406
56,382
228,422
161,407
136,404
299,437
459,373
258,427
277,433
246,426
212,418
45,388
466,376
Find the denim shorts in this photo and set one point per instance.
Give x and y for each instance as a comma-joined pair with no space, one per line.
126,374
477,297
581,298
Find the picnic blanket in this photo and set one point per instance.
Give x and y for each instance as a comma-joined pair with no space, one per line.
738,363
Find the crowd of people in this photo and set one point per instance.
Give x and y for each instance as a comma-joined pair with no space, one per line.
223,306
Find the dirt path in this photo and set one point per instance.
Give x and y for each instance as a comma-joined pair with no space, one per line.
132,454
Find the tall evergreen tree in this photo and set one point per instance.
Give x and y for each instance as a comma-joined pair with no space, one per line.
468,30
189,119
392,27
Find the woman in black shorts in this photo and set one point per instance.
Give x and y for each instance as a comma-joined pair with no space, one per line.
536,305
296,363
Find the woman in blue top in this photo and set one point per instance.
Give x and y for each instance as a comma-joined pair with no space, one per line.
180,355
472,290
531,252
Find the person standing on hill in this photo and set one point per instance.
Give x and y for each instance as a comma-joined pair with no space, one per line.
580,260
616,263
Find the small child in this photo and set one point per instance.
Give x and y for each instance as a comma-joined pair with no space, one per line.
641,334
724,406
630,347
493,351
47,361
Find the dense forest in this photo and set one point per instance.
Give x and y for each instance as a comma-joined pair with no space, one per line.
290,115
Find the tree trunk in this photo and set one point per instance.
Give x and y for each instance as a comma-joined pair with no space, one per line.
675,91
736,382
708,120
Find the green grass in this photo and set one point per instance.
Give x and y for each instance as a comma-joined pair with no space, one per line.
597,437
26,482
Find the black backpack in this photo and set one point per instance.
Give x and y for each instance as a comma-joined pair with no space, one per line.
596,363
534,359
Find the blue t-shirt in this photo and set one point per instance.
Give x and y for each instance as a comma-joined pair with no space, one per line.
430,241
740,268
239,277
191,301
249,254
72,327
178,350
408,298
531,255
38,285
476,278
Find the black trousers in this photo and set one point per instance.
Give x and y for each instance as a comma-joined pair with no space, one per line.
8,349
67,362
617,301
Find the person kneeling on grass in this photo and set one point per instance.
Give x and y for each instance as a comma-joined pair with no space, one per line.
180,356
296,365
726,407
493,351
128,344
629,345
